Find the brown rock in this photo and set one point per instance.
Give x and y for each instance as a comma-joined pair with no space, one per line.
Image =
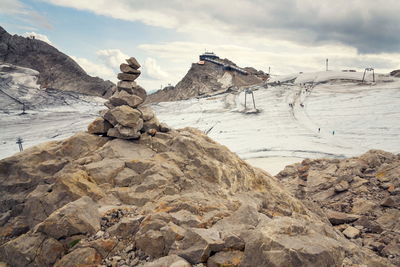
231,258
105,170
139,91
127,76
336,217
391,202
99,126
133,63
197,245
168,261
147,113
125,68
78,217
80,257
124,98
151,124
341,186
123,115
152,132
126,227
351,232
129,133
164,127
125,85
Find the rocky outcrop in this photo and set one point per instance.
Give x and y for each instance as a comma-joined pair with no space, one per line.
56,70
208,79
172,198
360,196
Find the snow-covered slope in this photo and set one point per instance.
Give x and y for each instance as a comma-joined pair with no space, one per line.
362,117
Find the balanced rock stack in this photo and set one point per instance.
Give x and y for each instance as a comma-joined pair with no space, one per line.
125,117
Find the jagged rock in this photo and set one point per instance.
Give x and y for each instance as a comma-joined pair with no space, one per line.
147,113
152,132
197,245
123,115
32,249
342,186
127,76
133,63
125,85
225,258
126,227
78,217
285,241
152,243
99,126
164,127
123,98
103,171
391,202
80,257
130,132
336,217
126,177
40,56
351,232
168,261
151,124
125,68
139,91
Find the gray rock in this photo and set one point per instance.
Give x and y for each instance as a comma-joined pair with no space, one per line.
125,68
197,245
126,227
127,76
151,124
99,126
147,113
123,115
351,232
133,63
124,98
336,217
164,127
123,85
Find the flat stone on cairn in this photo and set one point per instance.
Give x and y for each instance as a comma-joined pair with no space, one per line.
125,117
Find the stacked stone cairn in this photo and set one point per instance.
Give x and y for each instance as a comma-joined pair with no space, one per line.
126,117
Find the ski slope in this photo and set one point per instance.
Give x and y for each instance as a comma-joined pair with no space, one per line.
362,116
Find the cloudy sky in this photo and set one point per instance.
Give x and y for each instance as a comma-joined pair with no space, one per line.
167,36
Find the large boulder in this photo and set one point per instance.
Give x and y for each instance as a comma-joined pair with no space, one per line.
75,218
123,115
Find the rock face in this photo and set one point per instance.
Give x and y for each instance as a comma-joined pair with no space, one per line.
126,118
56,70
360,196
207,79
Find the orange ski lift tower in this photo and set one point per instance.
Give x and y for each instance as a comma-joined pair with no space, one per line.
373,74
249,92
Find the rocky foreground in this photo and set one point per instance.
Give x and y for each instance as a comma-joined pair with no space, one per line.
360,196
132,192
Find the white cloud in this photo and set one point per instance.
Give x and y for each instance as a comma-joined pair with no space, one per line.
112,57
95,69
23,13
151,70
38,36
